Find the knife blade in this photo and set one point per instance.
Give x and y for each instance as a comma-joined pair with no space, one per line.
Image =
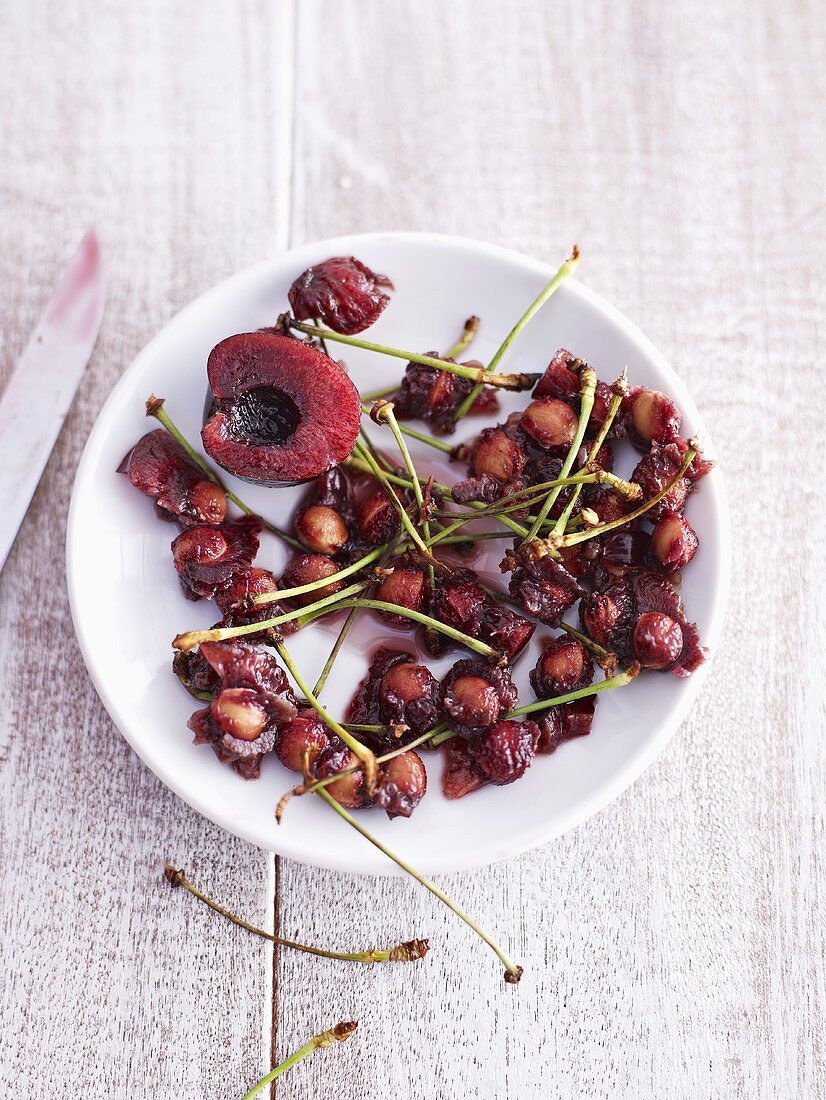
43,384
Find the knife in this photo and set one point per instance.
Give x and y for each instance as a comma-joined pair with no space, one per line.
43,384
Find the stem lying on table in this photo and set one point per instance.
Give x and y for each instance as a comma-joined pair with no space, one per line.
512,972
329,1038
550,288
402,952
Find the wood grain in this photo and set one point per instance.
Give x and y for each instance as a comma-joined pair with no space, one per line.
127,116
674,945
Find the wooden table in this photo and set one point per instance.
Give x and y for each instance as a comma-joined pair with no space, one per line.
674,945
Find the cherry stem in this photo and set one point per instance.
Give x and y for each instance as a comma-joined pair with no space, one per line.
389,549
475,374
192,638
384,462
319,783
329,1038
367,756
550,288
589,643
445,539
416,616
462,344
334,652
155,407
403,952
321,339
619,680
556,541
446,491
400,508
382,412
422,437
533,494
587,387
620,391
471,327
512,972
374,395
322,582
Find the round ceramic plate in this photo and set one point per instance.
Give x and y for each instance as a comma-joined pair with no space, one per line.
127,605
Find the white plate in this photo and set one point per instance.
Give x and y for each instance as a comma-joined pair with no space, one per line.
127,605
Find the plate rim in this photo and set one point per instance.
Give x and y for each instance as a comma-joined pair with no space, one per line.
624,777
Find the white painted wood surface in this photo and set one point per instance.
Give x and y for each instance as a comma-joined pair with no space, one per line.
674,945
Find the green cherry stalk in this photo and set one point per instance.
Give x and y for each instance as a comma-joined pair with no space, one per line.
547,291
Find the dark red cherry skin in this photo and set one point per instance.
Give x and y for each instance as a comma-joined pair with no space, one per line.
284,411
657,640
609,505
610,617
252,697
396,691
603,398
474,695
506,631
607,616
305,569
407,586
674,541
651,416
564,665
378,520
195,673
305,733
159,467
625,551
560,379
485,489
565,722
402,784
659,468
505,750
342,293
210,558
349,791
545,588
460,601
461,774
238,609
407,695
550,424
429,394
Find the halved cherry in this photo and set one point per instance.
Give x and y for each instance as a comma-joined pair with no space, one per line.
284,412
